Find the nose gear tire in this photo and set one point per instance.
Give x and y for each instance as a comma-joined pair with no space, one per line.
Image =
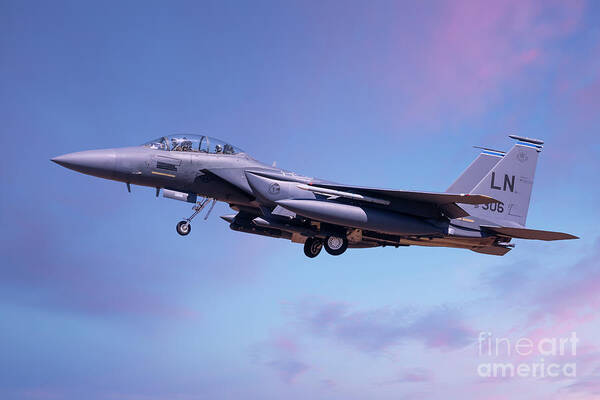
184,228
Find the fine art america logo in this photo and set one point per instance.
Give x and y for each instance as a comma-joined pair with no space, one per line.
542,357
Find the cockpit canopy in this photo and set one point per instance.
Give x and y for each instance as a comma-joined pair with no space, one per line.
193,143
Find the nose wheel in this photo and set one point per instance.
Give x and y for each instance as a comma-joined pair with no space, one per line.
184,227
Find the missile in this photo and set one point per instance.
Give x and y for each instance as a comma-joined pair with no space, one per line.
360,217
282,226
228,218
257,230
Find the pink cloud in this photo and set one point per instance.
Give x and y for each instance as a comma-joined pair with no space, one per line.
415,375
64,281
288,369
281,354
379,329
570,298
556,302
476,48
285,343
411,376
588,385
575,297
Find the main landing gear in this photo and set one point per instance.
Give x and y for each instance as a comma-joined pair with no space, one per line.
184,227
334,245
312,247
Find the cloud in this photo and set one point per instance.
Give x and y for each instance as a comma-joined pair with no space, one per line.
587,385
567,293
573,295
379,329
475,49
512,280
556,301
327,383
281,354
38,271
442,329
288,369
415,375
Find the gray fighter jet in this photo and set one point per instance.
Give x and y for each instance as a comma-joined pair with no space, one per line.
482,211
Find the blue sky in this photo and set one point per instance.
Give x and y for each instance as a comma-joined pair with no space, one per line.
100,298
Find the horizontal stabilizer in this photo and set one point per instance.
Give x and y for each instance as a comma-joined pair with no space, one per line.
524,233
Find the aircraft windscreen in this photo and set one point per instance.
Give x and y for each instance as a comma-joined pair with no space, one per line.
193,143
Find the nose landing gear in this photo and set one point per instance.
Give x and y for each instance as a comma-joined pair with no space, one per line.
184,227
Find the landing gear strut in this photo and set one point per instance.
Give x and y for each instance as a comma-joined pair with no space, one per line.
336,245
184,227
312,247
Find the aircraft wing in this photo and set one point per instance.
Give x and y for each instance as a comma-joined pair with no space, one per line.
220,177
524,233
445,202
425,197
424,203
389,194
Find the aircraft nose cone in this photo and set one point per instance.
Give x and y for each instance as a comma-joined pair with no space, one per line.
99,163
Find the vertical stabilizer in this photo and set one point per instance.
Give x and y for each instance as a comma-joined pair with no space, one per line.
509,181
476,171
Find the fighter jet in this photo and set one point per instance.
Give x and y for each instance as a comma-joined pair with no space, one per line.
482,211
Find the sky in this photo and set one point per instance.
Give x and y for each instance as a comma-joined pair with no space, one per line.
101,299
